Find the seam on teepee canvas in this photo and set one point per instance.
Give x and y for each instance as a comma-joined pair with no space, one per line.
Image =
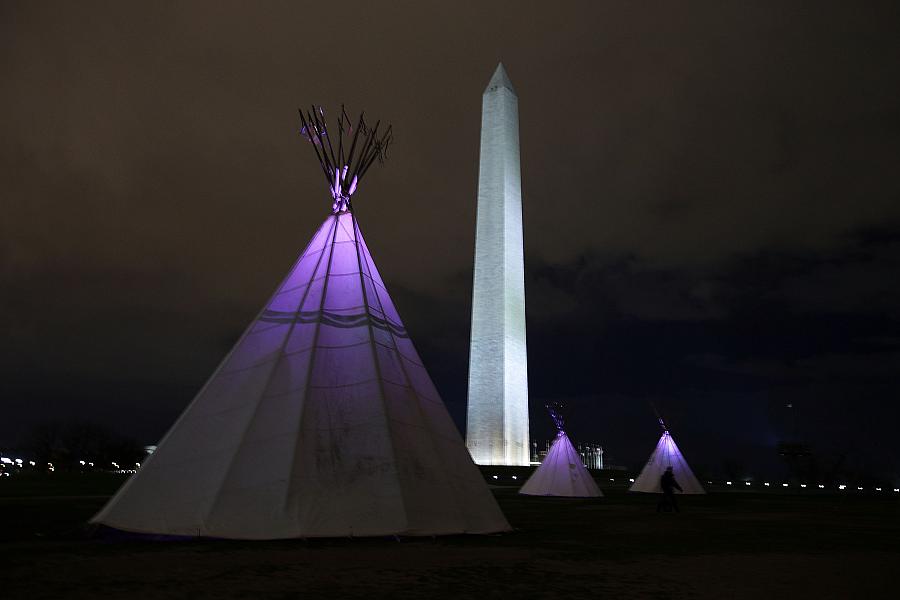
409,384
259,403
309,366
387,419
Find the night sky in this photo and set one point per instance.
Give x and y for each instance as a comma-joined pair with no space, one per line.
711,201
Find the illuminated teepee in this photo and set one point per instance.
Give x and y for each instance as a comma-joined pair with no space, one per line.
562,473
322,420
666,454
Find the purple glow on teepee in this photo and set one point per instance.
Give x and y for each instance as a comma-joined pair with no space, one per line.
322,421
666,454
562,473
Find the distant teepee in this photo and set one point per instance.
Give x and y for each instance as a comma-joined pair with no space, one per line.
322,420
562,473
666,454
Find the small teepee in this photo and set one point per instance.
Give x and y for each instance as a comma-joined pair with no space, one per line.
666,454
322,420
562,473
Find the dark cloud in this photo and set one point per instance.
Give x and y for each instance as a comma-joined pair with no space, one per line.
712,209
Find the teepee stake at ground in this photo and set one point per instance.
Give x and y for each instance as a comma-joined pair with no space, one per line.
322,420
562,473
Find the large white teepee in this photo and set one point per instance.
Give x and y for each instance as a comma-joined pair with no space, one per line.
321,421
666,454
562,473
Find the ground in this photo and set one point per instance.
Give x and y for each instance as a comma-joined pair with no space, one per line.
723,545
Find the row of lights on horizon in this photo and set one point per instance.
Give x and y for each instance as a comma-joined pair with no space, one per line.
820,486
18,462
842,486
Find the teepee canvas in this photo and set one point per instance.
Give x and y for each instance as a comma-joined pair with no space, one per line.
562,473
322,420
666,454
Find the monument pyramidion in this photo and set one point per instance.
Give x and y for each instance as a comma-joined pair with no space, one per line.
322,420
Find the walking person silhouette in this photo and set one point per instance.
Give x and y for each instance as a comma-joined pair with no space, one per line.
669,485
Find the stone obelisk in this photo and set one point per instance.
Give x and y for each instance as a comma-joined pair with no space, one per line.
497,419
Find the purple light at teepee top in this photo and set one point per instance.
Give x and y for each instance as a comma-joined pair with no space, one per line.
555,411
340,196
339,203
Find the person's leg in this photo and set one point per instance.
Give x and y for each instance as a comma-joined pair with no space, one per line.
674,503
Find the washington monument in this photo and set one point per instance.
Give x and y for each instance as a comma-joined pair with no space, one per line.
497,419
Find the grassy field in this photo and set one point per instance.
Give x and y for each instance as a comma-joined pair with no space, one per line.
723,545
